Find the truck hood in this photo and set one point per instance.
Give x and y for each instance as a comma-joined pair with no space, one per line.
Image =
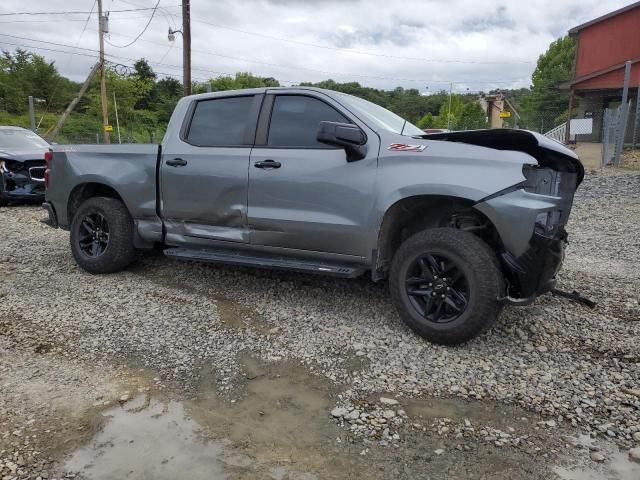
546,151
22,155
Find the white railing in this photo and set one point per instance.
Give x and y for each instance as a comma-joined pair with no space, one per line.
558,133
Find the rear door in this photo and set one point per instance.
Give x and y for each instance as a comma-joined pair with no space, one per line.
204,173
303,194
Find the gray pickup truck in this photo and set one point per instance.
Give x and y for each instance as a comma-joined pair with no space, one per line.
317,181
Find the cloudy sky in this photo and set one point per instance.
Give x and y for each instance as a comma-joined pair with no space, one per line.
477,44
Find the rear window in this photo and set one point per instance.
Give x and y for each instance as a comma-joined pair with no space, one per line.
220,122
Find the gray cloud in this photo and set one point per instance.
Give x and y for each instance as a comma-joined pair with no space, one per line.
473,43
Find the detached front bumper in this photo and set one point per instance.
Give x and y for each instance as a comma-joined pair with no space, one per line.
533,250
534,272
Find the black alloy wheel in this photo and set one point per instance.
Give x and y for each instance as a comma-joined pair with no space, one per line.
437,288
93,238
446,284
102,235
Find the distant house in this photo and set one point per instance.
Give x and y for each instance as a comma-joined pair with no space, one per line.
603,46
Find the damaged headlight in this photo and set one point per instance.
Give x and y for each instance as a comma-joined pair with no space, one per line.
540,180
548,223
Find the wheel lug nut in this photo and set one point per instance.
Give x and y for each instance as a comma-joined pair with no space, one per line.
431,284
448,288
442,295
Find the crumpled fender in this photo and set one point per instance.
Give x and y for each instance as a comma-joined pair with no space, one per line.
548,152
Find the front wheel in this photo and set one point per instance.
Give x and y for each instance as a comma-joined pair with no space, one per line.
102,236
445,284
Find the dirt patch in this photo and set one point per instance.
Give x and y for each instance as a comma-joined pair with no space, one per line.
48,407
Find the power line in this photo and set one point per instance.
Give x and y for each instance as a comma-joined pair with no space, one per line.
82,12
92,53
326,72
47,49
167,14
55,88
141,33
67,20
47,42
358,52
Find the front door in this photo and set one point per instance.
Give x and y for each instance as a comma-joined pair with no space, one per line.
303,194
204,173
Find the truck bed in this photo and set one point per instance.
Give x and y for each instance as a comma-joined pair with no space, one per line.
130,169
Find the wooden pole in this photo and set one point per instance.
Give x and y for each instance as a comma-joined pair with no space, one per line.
103,79
72,105
186,47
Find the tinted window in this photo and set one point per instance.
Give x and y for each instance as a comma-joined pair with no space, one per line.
220,122
295,120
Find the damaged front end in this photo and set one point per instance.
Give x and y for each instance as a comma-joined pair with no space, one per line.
21,179
530,217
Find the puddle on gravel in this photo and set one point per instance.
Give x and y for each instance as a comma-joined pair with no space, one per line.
278,427
478,412
275,424
617,466
155,441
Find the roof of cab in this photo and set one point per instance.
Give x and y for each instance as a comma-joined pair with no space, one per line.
253,91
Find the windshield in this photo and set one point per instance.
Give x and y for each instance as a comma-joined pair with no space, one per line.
16,138
379,116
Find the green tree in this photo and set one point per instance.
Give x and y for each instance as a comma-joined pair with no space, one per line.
239,81
23,74
427,121
472,117
144,73
450,112
545,100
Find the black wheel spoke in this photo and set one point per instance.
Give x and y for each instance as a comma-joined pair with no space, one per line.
420,292
429,286
428,305
452,304
93,234
438,313
454,293
435,267
425,270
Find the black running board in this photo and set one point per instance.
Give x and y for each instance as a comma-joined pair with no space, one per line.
251,259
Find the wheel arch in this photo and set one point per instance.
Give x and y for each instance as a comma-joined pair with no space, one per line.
412,214
84,191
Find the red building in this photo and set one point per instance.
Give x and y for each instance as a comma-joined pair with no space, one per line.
603,46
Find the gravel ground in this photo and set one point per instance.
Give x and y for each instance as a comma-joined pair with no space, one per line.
573,369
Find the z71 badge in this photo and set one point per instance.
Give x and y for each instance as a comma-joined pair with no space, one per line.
403,147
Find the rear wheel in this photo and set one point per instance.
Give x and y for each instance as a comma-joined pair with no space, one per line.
445,284
102,236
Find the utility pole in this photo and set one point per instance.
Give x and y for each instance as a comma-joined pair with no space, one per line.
449,111
186,47
103,79
73,103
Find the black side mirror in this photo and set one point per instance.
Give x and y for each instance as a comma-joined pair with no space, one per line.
345,135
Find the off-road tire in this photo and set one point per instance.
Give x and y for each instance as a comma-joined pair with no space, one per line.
120,251
481,269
